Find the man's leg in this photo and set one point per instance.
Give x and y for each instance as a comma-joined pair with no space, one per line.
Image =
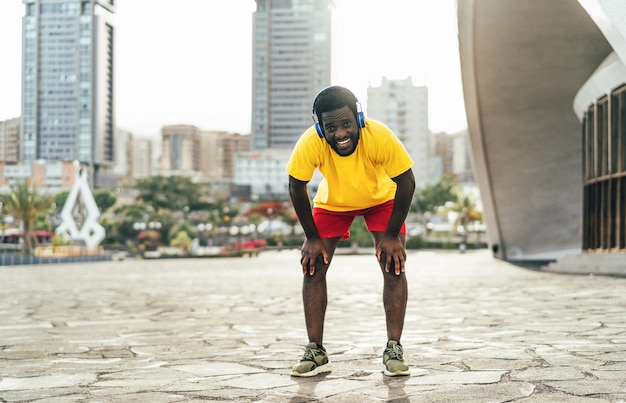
395,294
315,297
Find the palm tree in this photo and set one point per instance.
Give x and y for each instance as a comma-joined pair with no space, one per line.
466,207
26,203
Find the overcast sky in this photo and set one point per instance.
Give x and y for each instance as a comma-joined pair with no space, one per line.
190,61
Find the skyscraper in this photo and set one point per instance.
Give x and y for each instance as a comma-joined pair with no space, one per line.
291,64
68,111
404,108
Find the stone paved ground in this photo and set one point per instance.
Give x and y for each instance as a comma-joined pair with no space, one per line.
477,330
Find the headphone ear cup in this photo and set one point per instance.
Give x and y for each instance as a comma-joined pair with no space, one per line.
360,119
318,129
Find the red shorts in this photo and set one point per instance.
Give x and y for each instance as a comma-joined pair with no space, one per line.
331,224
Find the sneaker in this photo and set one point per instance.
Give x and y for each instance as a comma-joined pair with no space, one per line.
393,361
314,361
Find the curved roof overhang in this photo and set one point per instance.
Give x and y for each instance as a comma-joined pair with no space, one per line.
523,62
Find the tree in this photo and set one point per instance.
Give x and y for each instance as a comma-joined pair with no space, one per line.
171,192
26,203
433,196
60,199
183,226
182,241
120,223
104,198
466,207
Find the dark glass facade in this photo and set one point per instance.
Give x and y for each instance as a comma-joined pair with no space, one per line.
604,173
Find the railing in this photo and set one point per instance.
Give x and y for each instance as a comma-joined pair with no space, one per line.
57,254
14,259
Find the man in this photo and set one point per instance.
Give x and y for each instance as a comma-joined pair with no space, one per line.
367,172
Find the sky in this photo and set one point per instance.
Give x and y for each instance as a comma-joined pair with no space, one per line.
190,61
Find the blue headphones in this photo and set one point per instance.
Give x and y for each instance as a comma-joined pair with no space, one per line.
360,117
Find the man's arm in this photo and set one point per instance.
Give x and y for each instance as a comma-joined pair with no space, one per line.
390,245
313,246
405,187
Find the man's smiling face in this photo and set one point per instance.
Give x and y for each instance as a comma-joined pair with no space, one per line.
341,130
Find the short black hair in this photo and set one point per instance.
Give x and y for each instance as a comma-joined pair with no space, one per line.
333,98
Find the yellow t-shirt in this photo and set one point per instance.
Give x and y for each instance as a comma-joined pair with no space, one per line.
360,180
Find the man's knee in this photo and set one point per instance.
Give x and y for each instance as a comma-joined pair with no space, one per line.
391,275
320,266
320,269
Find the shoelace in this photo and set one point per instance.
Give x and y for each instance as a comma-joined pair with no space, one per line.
310,354
395,352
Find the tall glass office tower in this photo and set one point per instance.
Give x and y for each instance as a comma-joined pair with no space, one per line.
291,64
67,83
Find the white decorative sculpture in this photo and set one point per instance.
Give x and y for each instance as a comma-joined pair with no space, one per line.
79,201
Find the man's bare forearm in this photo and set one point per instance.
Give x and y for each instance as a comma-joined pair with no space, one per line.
302,206
402,202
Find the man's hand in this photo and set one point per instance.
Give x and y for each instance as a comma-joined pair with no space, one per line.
313,251
391,255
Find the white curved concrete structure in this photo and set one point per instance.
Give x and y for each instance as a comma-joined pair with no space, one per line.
525,65
609,74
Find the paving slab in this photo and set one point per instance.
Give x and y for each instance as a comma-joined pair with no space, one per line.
229,329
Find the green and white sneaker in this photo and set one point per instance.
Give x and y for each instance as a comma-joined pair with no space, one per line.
393,361
314,361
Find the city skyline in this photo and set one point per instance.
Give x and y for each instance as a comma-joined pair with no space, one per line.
185,75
